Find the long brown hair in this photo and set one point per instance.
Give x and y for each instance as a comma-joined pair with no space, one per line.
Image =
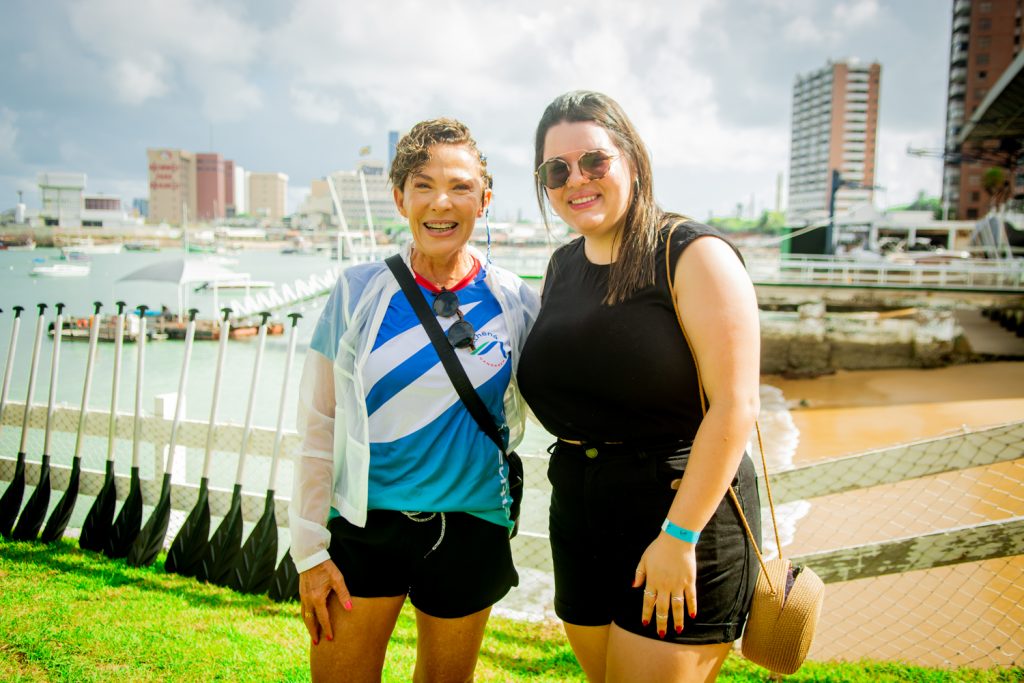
634,268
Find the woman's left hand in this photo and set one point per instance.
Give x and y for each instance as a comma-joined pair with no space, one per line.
669,569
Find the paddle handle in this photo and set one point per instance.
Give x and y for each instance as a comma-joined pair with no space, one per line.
279,431
222,348
247,430
10,362
51,399
94,335
140,358
37,345
114,390
179,406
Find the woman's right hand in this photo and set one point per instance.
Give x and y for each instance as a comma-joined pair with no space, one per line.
315,587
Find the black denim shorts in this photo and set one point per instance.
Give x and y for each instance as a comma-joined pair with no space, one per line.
450,565
608,506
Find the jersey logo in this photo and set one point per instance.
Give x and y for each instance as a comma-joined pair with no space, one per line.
490,350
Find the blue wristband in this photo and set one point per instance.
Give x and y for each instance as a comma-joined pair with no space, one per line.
676,531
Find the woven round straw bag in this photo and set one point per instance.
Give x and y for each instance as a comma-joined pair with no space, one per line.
787,599
783,616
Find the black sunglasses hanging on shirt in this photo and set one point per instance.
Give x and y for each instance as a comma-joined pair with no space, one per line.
470,398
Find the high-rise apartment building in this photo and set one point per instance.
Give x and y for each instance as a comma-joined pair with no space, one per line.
210,194
268,194
229,188
172,186
986,37
835,123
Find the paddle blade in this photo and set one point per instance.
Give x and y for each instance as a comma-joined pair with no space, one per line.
222,552
285,585
129,521
254,569
34,514
61,514
10,502
186,553
150,540
96,528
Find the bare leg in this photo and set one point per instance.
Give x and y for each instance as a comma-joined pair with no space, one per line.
356,655
635,658
590,644
447,649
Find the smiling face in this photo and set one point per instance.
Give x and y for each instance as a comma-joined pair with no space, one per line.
442,200
595,208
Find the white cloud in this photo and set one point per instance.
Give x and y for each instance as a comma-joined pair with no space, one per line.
855,13
316,106
803,30
8,134
137,80
209,46
902,175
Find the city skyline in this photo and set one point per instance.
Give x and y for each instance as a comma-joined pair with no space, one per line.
300,88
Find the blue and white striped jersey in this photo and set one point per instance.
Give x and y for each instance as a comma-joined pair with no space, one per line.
426,451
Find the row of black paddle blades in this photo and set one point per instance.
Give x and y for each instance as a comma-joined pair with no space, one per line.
223,559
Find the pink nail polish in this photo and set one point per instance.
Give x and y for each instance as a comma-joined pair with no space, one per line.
348,605
661,634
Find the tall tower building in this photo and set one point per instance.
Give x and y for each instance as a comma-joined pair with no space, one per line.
268,193
210,190
172,185
835,123
986,37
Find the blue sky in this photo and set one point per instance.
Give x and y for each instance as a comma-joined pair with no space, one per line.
300,87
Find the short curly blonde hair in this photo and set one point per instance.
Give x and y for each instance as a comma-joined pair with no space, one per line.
413,150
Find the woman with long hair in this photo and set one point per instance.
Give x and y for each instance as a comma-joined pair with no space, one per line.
653,572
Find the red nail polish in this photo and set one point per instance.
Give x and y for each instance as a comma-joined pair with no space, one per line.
645,622
679,628
316,642
693,614
330,638
661,634
348,605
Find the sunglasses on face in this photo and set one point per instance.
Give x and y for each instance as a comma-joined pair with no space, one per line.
461,334
555,172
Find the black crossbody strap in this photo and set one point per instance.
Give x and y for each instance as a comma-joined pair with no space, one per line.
474,404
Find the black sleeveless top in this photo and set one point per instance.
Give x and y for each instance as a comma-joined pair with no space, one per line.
594,372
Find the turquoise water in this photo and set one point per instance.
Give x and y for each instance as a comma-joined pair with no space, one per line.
163,358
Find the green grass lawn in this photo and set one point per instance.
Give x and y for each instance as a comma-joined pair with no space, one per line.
70,615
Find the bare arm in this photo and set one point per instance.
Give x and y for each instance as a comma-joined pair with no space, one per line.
311,499
719,311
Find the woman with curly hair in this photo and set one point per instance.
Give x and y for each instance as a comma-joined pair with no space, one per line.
398,492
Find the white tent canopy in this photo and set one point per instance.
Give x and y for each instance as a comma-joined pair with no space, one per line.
182,271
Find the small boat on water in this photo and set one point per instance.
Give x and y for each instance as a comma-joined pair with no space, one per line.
61,270
17,245
235,283
88,247
142,245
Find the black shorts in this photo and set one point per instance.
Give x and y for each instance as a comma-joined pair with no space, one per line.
450,564
606,510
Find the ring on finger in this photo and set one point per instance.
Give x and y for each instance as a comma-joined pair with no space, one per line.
650,594
678,598
309,615
662,616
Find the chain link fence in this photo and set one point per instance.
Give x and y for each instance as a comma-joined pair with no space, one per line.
920,544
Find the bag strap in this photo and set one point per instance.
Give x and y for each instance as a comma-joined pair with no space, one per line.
704,411
474,404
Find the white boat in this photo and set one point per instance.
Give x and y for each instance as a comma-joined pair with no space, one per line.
240,282
84,247
61,270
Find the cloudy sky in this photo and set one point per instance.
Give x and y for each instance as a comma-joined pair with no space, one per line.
298,87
